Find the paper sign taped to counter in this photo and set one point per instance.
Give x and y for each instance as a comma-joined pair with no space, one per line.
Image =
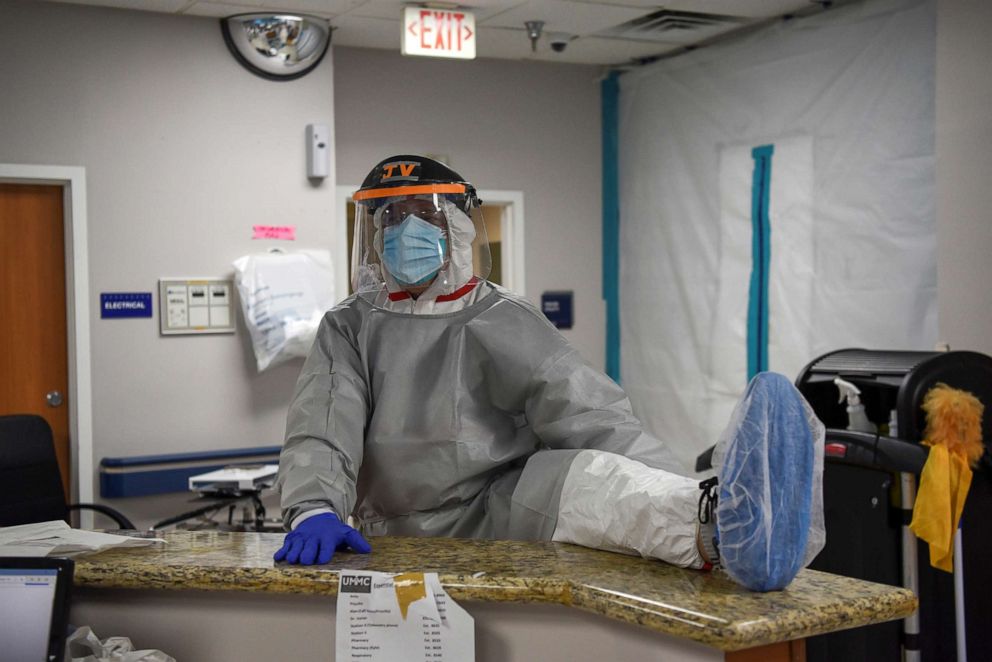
386,618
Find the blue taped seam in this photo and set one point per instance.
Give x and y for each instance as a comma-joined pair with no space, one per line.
757,313
610,93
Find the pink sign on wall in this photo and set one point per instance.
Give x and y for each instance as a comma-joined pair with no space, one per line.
287,232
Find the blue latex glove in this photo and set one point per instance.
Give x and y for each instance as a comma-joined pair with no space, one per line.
316,539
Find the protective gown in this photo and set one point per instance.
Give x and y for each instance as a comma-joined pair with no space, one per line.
463,412
467,424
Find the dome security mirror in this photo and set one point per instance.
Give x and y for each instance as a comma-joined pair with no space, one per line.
277,46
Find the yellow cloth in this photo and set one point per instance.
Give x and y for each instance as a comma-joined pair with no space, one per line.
939,502
954,434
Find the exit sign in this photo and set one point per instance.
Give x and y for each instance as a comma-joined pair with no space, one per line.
438,33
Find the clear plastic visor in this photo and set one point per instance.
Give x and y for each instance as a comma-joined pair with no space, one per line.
422,244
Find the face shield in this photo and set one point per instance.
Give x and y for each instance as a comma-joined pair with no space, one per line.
425,243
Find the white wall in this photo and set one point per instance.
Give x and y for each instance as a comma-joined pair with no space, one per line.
964,173
184,151
526,126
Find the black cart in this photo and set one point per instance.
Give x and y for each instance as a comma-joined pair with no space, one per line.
869,485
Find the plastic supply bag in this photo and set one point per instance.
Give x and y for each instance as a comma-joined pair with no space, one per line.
283,298
84,646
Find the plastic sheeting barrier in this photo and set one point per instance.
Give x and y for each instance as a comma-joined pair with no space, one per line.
847,99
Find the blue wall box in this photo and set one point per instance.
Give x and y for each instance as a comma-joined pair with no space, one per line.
557,307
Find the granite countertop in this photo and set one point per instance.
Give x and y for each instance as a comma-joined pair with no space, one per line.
702,606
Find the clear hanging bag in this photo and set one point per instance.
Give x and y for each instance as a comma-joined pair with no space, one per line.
283,298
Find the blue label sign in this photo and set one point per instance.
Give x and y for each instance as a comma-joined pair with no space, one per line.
557,307
125,304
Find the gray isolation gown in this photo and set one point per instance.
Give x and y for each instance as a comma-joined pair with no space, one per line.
462,424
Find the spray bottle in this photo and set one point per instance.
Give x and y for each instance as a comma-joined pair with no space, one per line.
857,420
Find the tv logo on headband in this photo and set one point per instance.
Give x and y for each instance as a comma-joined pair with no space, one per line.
399,171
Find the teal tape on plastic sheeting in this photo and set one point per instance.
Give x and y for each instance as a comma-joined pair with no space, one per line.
757,311
610,91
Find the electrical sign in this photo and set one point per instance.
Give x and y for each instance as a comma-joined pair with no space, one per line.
438,33
125,304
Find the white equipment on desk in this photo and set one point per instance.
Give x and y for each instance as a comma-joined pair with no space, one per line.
253,478
236,486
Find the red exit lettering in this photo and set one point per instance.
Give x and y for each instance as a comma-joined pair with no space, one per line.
442,30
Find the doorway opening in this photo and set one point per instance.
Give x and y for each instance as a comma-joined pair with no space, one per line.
70,184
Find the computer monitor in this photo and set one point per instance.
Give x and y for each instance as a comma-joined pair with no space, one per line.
34,608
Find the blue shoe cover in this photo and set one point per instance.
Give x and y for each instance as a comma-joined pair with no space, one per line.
769,516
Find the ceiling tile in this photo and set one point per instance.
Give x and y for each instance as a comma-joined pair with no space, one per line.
167,6
365,32
325,8
393,9
322,7
646,5
748,8
254,4
676,28
575,18
383,9
218,10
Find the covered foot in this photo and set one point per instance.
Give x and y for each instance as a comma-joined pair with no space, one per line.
769,511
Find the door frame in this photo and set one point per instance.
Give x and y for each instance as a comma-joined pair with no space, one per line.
72,180
511,233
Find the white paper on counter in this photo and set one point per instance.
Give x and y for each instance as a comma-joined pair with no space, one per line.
57,537
371,626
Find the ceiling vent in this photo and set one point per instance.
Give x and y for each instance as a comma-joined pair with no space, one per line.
670,26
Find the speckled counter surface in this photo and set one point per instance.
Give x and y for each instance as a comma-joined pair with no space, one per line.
706,607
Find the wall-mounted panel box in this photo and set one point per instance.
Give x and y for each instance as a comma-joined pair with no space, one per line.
557,307
196,305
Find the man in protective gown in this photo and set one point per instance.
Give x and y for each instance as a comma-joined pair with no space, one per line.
435,403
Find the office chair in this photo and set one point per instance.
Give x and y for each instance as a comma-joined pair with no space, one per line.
30,484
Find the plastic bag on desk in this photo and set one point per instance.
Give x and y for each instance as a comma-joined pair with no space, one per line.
84,646
283,298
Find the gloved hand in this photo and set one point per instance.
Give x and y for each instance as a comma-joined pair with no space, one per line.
316,539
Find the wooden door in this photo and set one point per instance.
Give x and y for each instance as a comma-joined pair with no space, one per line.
33,339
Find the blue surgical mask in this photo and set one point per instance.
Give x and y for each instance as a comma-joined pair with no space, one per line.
413,251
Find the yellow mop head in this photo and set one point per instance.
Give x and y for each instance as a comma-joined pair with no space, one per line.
954,420
954,434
